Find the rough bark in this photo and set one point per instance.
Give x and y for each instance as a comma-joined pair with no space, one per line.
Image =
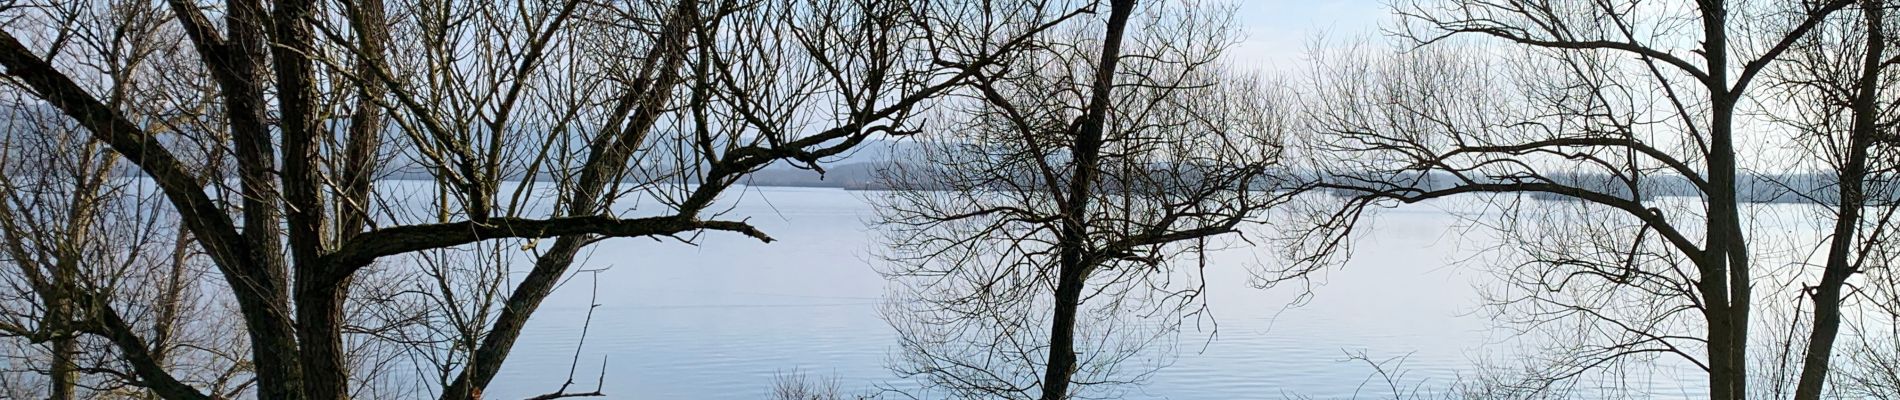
318,299
258,275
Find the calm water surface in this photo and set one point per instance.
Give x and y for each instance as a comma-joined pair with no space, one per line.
720,320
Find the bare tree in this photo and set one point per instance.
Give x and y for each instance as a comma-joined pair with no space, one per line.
1614,109
1843,115
1072,191
523,120
91,257
78,239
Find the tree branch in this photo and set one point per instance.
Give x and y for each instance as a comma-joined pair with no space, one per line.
1654,219
196,209
1814,19
397,240
106,322
1632,144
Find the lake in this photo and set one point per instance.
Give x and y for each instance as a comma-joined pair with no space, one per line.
721,319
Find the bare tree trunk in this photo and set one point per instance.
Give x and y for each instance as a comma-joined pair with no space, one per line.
486,360
318,294
60,311
1062,362
259,278
366,124
1851,181
1721,362
1725,271
65,372
1075,262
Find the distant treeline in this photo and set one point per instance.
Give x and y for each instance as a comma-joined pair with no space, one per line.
1782,188
870,167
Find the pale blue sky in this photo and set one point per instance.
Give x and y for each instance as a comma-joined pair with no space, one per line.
1278,31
